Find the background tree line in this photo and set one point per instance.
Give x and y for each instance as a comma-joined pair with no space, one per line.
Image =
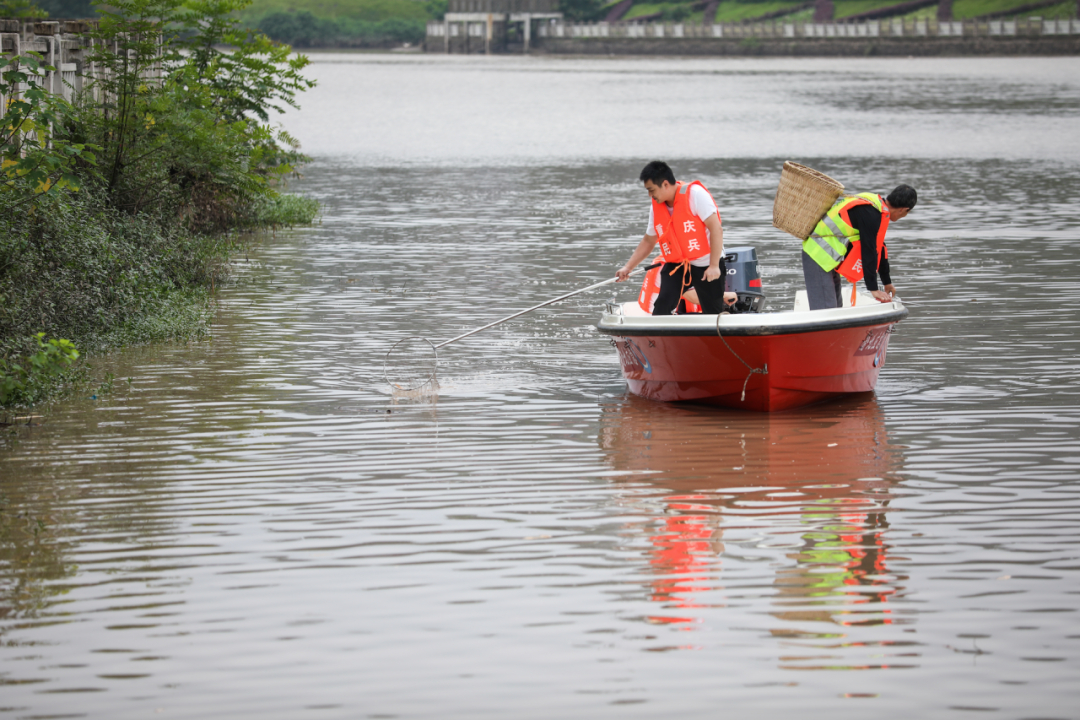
300,23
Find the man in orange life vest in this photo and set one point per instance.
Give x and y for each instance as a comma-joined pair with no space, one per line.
684,220
849,241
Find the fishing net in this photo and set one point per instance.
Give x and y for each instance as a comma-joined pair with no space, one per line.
411,364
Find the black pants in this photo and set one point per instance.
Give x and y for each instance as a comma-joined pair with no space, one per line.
711,294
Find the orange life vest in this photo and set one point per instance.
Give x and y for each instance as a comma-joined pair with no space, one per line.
681,233
650,290
852,267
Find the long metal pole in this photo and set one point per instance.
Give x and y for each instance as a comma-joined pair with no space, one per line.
537,307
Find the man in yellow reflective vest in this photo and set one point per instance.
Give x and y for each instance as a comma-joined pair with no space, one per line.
849,242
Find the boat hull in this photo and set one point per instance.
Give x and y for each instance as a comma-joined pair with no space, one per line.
775,364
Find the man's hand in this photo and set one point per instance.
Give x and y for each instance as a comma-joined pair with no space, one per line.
891,289
881,296
648,242
730,298
712,273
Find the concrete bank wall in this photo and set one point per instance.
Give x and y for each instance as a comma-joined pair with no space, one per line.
815,47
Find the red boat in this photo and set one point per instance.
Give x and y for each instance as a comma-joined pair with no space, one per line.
753,361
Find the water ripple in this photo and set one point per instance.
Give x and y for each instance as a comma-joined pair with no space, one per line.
265,530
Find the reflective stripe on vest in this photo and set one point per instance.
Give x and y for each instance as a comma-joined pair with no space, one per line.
829,243
824,243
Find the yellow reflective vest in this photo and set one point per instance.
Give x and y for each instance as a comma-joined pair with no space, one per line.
829,242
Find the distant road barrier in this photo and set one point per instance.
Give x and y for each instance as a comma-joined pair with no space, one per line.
442,34
777,29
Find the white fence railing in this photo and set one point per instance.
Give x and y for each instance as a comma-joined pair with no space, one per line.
63,45
779,29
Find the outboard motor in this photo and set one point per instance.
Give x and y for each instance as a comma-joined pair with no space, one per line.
743,279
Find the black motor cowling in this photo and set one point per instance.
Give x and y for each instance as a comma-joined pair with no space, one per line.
743,278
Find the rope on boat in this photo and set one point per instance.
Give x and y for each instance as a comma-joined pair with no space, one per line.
763,370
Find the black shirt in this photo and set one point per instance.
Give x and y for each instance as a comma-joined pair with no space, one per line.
867,220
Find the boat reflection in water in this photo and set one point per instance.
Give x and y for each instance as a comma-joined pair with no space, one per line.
805,490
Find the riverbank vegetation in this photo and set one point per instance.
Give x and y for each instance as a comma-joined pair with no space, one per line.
119,210
344,23
305,30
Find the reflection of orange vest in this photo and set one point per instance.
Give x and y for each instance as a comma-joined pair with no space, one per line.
852,267
681,554
681,233
650,290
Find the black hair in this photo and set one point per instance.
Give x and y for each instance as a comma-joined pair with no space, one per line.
657,171
902,196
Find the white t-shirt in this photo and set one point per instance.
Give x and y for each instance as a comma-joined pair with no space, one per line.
702,205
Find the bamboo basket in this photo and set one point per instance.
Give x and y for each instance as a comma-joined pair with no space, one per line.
802,198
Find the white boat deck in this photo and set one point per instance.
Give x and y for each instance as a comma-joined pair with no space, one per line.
632,309
629,319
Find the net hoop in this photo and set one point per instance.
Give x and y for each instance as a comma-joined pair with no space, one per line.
420,382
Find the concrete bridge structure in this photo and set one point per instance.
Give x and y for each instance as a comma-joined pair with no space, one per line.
487,26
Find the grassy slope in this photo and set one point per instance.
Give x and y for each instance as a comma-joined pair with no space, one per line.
734,12
844,8
371,10
726,12
964,9
730,11
974,8
640,9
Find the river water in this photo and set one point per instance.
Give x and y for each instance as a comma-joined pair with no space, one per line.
255,527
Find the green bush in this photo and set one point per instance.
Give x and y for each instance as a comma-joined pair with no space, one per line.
300,29
369,10
35,159
436,8
23,380
21,9
303,29
287,211
76,268
581,10
118,215
195,138
675,13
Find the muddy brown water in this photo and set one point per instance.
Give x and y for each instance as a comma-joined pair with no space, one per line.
255,527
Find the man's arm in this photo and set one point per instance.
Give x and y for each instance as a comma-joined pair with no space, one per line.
867,221
886,277
648,242
716,246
